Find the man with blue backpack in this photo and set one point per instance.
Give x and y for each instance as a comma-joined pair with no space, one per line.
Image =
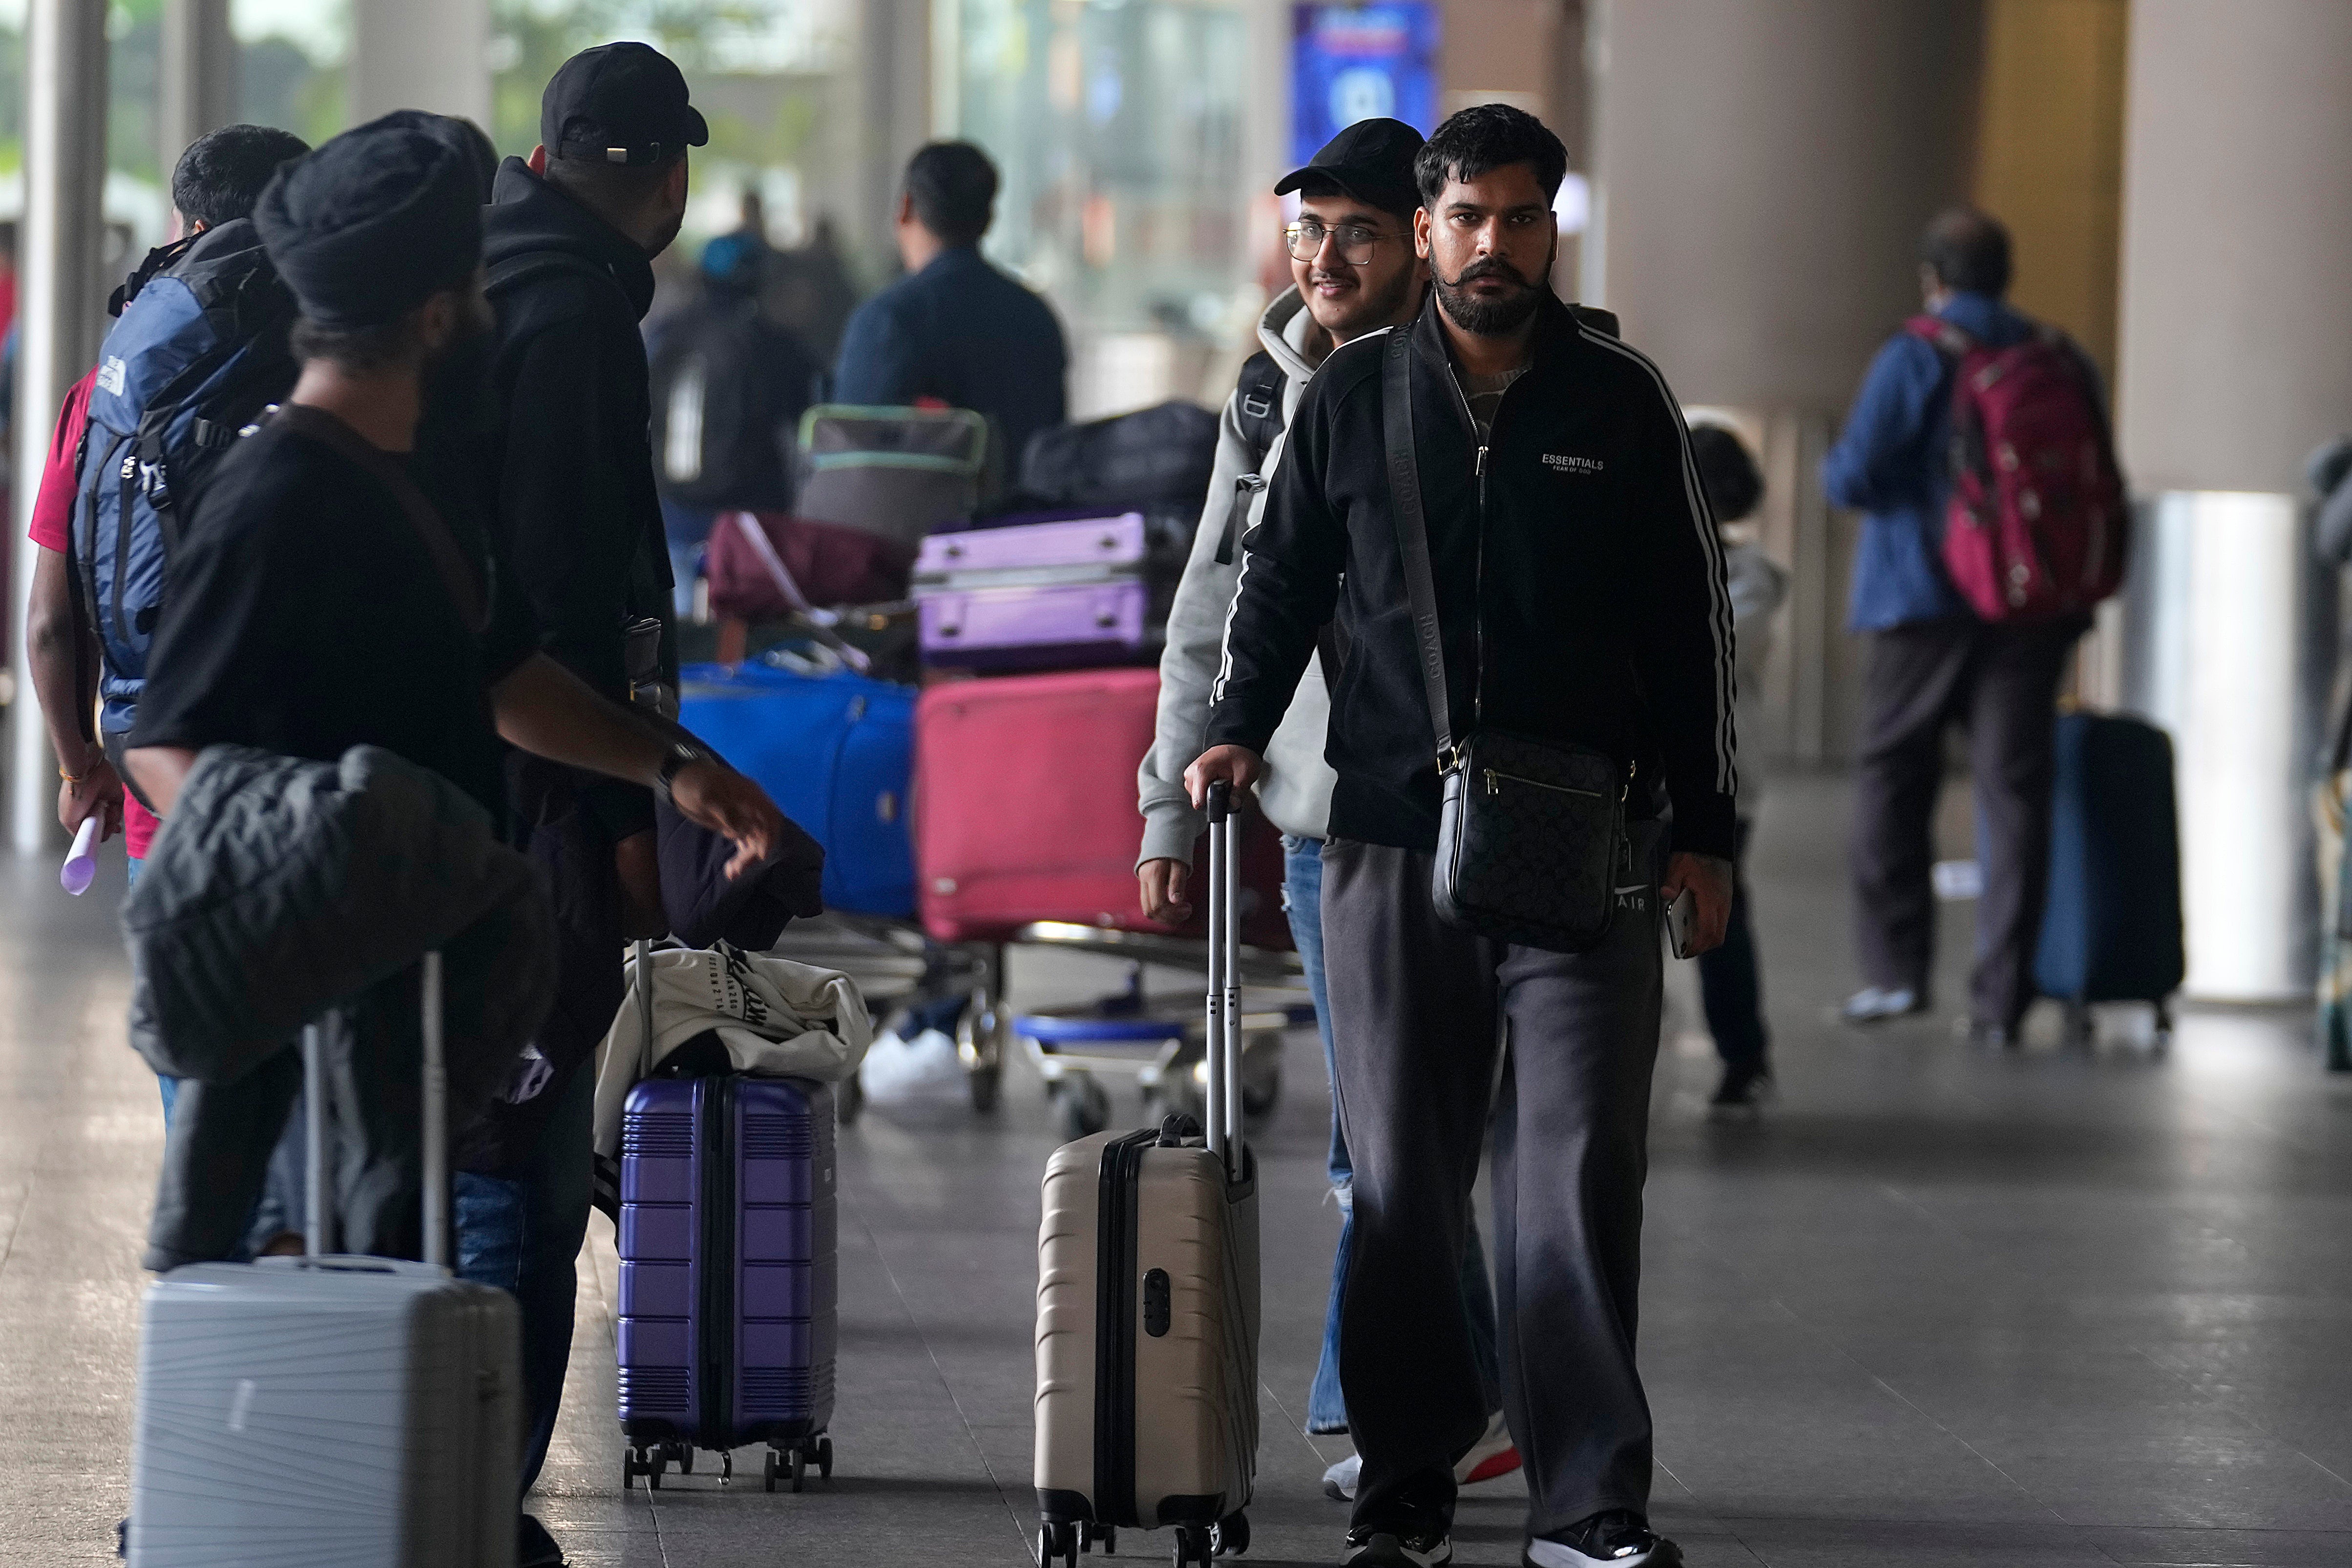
198,350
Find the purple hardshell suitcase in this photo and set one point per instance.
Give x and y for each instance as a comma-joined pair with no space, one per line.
1063,594
728,1273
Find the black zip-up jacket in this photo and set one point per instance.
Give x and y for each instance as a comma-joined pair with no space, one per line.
1574,557
566,467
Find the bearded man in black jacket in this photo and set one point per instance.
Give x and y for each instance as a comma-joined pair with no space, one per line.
1578,599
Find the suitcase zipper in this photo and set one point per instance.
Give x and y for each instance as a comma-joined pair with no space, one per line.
1495,777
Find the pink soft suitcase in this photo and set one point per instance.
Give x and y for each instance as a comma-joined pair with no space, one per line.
1024,809
1067,593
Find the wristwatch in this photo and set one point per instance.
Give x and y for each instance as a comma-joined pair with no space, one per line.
677,760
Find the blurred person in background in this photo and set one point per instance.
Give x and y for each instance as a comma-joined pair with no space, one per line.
1730,977
727,387
1353,270
956,330
566,476
1932,663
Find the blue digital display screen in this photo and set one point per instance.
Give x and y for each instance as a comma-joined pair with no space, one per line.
1361,62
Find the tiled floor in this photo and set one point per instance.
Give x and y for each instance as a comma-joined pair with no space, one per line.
1936,1308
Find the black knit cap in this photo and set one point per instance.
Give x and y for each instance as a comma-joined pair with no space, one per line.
619,103
373,223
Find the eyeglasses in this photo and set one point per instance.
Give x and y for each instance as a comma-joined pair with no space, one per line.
1356,242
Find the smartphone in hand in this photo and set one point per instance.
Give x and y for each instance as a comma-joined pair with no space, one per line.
1680,916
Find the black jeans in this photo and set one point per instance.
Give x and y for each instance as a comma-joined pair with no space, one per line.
1730,982
2002,684
1419,1011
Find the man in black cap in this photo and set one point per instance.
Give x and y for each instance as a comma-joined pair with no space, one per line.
955,329
1354,271
330,592
565,471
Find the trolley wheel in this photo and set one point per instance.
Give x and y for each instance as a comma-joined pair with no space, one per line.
1082,1107
1229,1536
1191,1546
1261,1073
1110,1540
628,1469
685,1458
726,1464
800,1468
768,1471
653,1471
848,1100
1047,1548
825,1458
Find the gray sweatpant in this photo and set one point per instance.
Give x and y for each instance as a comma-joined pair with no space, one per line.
1419,1009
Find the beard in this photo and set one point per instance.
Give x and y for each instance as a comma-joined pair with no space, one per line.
1491,318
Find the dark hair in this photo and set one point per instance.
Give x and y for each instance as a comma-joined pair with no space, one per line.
1967,250
602,184
1482,139
1324,185
219,178
1733,483
359,350
953,187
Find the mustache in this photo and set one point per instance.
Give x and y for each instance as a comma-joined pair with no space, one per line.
1493,267
1316,275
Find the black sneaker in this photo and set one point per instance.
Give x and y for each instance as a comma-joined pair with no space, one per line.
1376,1546
1742,1092
534,1547
1618,1538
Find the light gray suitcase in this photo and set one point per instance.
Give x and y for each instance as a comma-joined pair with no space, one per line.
332,1412
1148,1304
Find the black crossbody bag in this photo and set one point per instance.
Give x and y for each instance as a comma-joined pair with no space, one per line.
1532,831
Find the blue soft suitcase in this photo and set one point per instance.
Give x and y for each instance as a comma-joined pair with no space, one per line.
728,1242
2111,928
836,755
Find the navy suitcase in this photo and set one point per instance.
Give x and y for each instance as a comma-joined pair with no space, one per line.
728,1242
2111,928
836,753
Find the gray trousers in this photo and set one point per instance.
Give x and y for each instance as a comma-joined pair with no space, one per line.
1419,1009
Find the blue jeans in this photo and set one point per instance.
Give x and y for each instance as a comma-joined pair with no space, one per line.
524,1236
1327,1409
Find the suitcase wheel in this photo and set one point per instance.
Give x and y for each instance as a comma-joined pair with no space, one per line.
1103,1535
825,1458
768,1475
1194,1545
685,1452
1229,1536
1081,1106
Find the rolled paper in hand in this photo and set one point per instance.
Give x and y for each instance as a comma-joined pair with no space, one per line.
81,861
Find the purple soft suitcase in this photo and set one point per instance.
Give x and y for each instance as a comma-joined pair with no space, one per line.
728,1273
1070,594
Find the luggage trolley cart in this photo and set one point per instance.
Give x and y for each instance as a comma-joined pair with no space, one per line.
1161,1042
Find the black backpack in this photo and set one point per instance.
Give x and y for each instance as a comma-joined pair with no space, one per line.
729,388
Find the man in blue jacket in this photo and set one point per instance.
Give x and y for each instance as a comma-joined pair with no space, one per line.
1932,662
955,329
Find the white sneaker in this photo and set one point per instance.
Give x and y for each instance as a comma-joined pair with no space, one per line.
1491,1456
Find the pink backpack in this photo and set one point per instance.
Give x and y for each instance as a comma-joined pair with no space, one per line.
2038,525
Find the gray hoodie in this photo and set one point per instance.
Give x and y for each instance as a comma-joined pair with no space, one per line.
1295,793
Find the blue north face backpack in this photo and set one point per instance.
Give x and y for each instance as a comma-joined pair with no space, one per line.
199,349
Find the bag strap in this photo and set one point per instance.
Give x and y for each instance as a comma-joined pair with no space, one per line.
458,574
1412,530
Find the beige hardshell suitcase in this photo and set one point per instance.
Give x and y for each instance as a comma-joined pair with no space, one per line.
1148,1306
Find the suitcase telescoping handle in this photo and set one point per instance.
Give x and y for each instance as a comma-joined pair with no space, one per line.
1223,1044
317,1230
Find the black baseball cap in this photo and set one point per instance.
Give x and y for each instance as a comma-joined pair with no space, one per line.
619,103
1372,160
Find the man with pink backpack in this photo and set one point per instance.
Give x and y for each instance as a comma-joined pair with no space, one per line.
1994,520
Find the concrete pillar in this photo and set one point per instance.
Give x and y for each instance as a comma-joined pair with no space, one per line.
62,314
1763,170
420,54
2237,251
198,80
893,55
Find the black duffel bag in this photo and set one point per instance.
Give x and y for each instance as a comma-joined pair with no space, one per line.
1161,456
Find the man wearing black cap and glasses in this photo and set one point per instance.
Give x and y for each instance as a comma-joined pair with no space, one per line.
565,472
